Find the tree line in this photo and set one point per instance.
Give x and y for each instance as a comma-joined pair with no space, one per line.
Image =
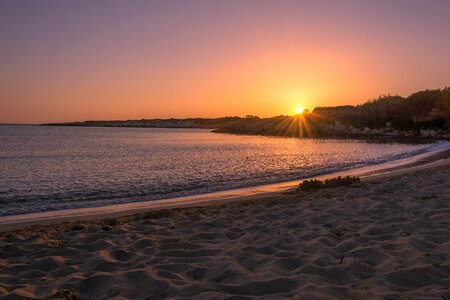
421,110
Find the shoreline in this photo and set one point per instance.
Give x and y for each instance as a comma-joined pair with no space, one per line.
406,139
385,237
367,173
375,138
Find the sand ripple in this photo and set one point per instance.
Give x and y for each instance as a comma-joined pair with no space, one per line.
385,239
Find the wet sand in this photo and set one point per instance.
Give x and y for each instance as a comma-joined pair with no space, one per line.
388,236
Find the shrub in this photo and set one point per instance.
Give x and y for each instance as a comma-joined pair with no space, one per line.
403,124
314,184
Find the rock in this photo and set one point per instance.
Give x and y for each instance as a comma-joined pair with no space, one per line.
377,131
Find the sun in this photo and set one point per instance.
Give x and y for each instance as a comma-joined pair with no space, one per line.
299,110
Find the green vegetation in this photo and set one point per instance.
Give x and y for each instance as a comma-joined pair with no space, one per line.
429,109
314,184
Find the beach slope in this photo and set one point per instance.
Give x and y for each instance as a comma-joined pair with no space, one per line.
385,237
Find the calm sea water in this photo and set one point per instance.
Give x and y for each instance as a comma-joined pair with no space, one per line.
48,168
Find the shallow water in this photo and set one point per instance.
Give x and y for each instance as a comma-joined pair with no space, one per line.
48,168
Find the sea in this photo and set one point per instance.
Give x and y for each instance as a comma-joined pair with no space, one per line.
46,168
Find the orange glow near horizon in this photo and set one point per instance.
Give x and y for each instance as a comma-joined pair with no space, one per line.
266,86
184,60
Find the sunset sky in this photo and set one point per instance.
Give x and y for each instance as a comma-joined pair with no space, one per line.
103,60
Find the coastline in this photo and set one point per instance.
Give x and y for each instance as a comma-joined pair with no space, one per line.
370,138
360,136
386,237
388,169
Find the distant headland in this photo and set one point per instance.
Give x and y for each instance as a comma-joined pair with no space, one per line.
424,114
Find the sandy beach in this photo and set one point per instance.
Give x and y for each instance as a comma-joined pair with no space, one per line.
203,149
387,237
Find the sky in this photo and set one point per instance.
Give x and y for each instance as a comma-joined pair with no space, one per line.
105,60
